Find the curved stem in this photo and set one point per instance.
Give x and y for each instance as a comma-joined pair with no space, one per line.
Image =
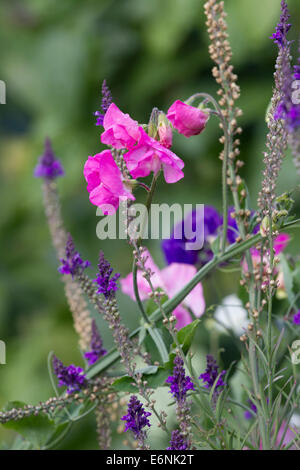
134,266
219,114
136,292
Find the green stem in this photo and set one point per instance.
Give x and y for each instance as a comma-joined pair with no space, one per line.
219,114
136,292
134,267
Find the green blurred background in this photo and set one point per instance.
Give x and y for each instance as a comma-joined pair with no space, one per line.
54,57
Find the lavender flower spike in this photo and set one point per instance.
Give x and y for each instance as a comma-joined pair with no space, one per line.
49,167
106,102
71,376
107,284
136,419
97,350
73,264
177,442
211,374
179,382
283,26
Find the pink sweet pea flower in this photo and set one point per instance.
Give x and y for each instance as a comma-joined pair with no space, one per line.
171,279
187,119
105,183
120,131
149,155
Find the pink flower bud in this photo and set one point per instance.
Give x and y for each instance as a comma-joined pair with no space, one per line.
165,135
187,119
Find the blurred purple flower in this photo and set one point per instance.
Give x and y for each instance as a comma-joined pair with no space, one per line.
174,248
296,318
211,374
248,414
233,231
49,167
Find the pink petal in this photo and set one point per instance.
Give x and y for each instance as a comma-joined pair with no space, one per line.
280,242
103,198
110,174
143,286
175,276
183,317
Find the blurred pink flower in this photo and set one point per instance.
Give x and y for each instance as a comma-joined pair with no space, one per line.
149,155
280,243
120,131
171,279
105,183
187,119
289,436
165,135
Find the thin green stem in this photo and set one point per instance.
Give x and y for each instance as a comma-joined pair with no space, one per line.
225,159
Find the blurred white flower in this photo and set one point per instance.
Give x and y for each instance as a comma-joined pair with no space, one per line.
232,315
295,420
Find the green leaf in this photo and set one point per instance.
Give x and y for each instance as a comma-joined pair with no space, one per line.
151,306
159,343
142,335
35,429
155,376
186,335
124,384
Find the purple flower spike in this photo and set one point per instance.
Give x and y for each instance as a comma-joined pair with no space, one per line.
107,284
71,376
177,442
283,26
106,102
296,318
211,374
97,350
73,264
179,382
136,418
49,167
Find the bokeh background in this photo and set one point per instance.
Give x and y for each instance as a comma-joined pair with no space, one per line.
54,57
